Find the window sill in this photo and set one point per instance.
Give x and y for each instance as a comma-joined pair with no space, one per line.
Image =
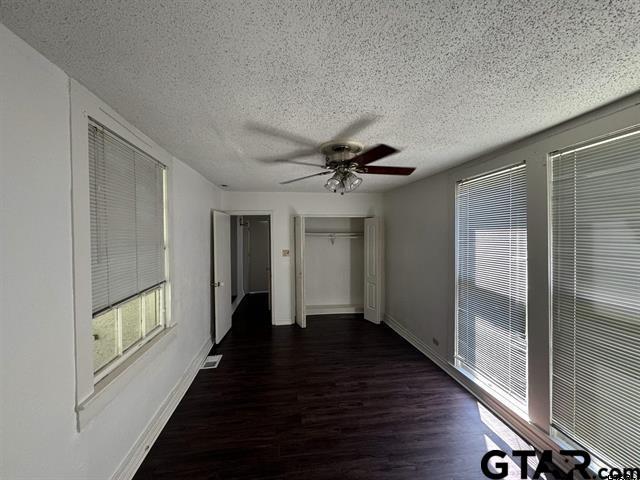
111,385
485,386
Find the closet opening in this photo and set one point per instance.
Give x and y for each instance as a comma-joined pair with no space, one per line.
338,263
334,265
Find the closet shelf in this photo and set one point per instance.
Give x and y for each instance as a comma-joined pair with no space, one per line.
333,236
336,235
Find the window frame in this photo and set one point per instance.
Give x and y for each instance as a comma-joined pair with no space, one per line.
124,353
95,389
483,382
535,427
561,439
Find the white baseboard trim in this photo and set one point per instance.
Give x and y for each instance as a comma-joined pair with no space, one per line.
237,302
282,321
141,447
539,439
415,341
333,309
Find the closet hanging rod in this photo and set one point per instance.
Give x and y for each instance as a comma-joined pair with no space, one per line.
332,236
336,235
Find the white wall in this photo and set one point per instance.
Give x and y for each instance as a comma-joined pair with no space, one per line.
420,253
38,436
283,207
37,416
417,259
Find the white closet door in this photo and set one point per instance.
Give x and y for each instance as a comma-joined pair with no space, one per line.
301,316
221,281
373,274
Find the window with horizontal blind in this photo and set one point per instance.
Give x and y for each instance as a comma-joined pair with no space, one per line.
595,224
127,209
491,282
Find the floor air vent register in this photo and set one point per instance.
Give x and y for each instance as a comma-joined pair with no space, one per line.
212,361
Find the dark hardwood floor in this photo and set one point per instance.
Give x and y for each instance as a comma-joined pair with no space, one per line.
343,399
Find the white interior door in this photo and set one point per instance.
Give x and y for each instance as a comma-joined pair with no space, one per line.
221,281
301,316
373,269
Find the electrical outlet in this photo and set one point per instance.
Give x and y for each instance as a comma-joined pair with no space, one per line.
285,253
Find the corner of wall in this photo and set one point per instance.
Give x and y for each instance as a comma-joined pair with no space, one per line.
404,331
283,321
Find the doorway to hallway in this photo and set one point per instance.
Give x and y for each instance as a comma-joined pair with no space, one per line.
251,276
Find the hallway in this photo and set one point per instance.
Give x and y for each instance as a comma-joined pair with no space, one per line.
343,399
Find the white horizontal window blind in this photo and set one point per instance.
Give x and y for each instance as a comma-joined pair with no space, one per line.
491,258
127,219
596,297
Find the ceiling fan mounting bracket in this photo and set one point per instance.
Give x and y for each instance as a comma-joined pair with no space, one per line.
338,153
341,148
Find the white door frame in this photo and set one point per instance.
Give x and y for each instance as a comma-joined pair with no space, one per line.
350,215
299,303
272,248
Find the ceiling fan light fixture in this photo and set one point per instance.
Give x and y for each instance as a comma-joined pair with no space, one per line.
334,183
343,181
351,182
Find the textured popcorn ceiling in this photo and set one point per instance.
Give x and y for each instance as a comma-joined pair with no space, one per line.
448,80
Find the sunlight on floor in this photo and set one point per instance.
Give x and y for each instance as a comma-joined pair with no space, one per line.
503,438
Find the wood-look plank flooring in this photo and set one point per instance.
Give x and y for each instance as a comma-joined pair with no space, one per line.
343,399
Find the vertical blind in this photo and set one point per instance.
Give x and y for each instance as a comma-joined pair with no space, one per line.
491,257
596,297
127,219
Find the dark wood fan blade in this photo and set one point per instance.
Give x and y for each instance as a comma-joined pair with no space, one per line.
283,134
387,170
356,127
374,154
308,176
